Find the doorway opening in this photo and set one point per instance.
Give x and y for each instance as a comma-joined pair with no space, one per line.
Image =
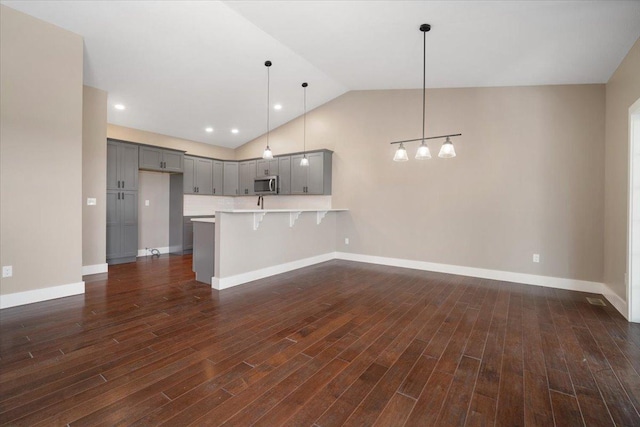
633,257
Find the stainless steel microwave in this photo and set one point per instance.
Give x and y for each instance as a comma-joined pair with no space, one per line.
266,185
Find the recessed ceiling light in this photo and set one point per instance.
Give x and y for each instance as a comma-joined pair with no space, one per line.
209,129
234,131
119,107
277,107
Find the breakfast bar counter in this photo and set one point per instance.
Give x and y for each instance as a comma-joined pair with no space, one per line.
243,245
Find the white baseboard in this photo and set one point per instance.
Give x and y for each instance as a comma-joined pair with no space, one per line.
95,269
621,305
144,252
38,295
239,279
506,276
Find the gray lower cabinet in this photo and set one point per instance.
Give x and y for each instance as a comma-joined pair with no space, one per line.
187,244
122,166
161,160
122,226
218,177
230,181
267,167
312,179
246,176
284,172
198,175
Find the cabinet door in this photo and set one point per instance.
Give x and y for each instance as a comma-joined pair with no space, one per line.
204,176
230,181
315,173
113,181
273,167
128,166
129,220
188,235
284,172
189,175
298,175
247,175
172,161
262,167
218,177
114,230
150,158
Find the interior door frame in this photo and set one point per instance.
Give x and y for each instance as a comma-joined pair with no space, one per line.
633,239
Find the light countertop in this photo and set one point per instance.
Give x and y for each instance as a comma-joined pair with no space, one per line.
278,210
212,220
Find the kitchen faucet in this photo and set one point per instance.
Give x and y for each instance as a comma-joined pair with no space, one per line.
261,202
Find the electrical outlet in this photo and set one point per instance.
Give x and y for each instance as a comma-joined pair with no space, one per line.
7,271
346,240
91,201
536,257
146,203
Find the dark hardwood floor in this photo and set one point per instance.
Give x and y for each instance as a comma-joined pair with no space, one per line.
339,343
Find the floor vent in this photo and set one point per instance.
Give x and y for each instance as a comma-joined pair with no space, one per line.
596,301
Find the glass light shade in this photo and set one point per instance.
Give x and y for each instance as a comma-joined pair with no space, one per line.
401,154
423,152
447,151
304,161
267,153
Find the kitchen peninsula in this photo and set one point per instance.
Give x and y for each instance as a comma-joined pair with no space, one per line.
239,246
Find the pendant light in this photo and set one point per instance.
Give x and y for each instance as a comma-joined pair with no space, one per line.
267,151
447,151
304,161
423,153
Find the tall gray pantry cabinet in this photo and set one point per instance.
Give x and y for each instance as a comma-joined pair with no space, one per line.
122,202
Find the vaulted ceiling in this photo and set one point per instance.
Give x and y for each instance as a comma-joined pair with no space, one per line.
182,66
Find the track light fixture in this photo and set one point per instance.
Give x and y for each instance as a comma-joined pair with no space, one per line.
267,151
447,150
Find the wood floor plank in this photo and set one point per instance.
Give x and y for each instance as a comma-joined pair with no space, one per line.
337,343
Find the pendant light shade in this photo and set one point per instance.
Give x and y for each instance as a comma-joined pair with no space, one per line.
447,151
304,161
401,154
423,152
267,151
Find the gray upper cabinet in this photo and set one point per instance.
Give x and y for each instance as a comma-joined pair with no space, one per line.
122,166
284,172
246,175
218,177
158,159
312,179
267,167
230,180
198,175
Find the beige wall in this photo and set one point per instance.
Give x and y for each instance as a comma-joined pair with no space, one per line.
40,152
94,175
191,147
153,220
528,177
622,90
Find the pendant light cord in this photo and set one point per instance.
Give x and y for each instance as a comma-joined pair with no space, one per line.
424,78
304,121
268,83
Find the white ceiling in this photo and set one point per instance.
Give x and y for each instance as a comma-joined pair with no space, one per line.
180,66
